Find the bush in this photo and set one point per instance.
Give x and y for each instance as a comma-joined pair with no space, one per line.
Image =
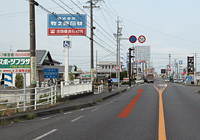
19,80
125,83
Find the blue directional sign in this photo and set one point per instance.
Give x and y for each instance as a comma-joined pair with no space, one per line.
67,44
50,73
132,39
180,62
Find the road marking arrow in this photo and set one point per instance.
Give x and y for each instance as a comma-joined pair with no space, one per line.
127,110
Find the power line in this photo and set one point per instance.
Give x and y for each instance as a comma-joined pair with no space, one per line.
160,32
85,23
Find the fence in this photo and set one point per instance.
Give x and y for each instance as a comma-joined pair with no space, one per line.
74,88
100,89
20,98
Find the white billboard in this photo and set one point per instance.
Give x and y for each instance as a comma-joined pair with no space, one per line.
142,53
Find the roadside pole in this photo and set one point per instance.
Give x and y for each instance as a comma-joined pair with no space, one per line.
32,53
24,91
67,45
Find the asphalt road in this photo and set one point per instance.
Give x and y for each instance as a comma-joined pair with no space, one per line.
181,107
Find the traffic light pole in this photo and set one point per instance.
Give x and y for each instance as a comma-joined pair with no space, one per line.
129,65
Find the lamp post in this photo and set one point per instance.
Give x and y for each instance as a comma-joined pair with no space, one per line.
110,68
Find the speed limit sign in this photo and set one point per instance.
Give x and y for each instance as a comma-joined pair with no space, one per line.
141,39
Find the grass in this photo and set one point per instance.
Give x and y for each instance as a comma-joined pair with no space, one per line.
4,122
61,111
17,120
7,112
91,103
100,100
78,107
30,116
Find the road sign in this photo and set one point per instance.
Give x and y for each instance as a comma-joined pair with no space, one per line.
141,39
66,44
142,53
50,73
117,67
8,79
66,24
132,39
180,62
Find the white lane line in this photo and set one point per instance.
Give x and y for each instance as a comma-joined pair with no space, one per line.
94,109
76,119
45,134
46,118
67,113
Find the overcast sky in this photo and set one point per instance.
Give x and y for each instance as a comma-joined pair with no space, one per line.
170,27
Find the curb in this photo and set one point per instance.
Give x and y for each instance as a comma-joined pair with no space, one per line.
39,113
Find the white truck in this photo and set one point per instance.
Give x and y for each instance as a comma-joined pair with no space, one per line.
150,78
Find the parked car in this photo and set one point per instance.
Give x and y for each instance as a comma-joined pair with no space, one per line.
166,80
180,80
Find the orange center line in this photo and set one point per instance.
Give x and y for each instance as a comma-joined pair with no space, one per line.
161,125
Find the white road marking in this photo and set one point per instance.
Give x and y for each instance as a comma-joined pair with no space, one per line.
95,109
67,113
76,119
46,118
45,134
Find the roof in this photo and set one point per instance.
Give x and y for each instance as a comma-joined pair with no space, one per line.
41,55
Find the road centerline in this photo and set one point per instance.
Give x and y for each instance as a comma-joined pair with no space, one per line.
161,125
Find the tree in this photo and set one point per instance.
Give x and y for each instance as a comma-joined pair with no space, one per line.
19,80
71,77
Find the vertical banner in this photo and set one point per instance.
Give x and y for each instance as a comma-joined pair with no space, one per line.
92,74
33,70
190,65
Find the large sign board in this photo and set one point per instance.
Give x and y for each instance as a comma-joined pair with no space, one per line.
142,53
114,80
18,62
66,24
190,65
50,73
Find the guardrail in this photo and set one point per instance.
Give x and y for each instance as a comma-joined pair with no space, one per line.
20,98
74,88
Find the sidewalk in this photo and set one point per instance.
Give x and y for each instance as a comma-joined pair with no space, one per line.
74,104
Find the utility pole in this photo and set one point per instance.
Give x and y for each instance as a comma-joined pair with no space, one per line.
169,64
32,52
92,5
96,66
195,64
